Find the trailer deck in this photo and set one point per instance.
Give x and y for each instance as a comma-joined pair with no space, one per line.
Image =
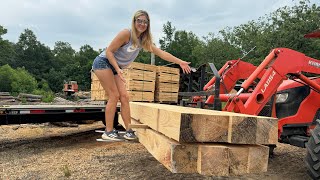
22,114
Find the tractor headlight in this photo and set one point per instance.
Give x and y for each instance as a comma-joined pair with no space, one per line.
280,98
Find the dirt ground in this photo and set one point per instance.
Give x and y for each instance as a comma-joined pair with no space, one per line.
49,152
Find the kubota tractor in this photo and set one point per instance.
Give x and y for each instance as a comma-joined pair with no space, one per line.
277,88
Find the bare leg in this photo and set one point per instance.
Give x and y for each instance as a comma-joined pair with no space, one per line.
124,99
107,80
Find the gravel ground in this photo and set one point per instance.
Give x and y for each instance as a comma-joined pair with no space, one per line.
49,152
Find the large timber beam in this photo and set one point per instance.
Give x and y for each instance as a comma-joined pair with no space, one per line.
203,158
185,124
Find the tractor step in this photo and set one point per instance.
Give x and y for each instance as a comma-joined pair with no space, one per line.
298,141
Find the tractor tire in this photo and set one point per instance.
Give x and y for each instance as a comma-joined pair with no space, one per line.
313,153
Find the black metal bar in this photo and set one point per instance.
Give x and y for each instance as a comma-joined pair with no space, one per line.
217,102
6,119
200,93
190,82
202,77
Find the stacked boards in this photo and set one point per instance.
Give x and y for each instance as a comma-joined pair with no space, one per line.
189,140
140,83
144,83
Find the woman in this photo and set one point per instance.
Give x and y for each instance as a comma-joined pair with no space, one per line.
108,66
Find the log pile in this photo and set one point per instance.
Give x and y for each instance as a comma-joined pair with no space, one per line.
6,97
189,140
29,97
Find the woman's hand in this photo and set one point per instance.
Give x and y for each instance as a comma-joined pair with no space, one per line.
185,67
120,74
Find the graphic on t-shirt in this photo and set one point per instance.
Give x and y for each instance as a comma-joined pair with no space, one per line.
131,48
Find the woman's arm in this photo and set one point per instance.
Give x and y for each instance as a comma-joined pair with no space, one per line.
169,57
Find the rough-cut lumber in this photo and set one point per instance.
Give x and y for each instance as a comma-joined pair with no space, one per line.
140,84
175,157
185,124
225,160
206,158
167,84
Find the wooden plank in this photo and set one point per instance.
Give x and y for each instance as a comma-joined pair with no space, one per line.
141,96
131,85
142,66
94,77
168,70
96,86
133,74
225,160
166,97
140,86
101,95
175,157
207,159
167,87
185,124
164,77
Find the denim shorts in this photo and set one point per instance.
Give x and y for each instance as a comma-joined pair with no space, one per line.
100,63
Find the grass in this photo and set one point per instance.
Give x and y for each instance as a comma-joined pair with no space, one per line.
66,171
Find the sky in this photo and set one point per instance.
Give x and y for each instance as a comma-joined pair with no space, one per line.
97,22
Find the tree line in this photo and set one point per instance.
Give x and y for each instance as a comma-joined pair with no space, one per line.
32,67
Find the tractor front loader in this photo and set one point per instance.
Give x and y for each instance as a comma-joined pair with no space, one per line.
278,88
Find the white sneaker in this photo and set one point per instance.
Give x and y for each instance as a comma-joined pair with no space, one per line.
130,135
112,135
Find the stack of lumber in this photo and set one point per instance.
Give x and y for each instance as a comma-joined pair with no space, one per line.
5,96
167,84
208,142
140,83
29,97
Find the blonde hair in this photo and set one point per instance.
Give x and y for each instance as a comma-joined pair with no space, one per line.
146,38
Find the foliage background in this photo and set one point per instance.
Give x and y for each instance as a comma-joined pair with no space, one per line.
32,67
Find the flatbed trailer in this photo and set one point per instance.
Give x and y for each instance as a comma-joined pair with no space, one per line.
23,114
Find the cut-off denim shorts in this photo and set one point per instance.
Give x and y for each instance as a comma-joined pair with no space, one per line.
100,63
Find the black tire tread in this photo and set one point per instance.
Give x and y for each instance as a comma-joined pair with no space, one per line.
313,153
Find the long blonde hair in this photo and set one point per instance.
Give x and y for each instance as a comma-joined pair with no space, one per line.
146,38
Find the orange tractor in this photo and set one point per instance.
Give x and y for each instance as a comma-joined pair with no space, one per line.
276,88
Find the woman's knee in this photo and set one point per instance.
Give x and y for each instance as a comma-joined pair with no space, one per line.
124,97
114,97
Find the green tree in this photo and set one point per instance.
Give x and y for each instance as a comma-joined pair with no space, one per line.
34,56
178,43
144,57
3,31
23,81
16,80
166,41
81,69
7,51
6,78
284,27
55,79
63,54
215,50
